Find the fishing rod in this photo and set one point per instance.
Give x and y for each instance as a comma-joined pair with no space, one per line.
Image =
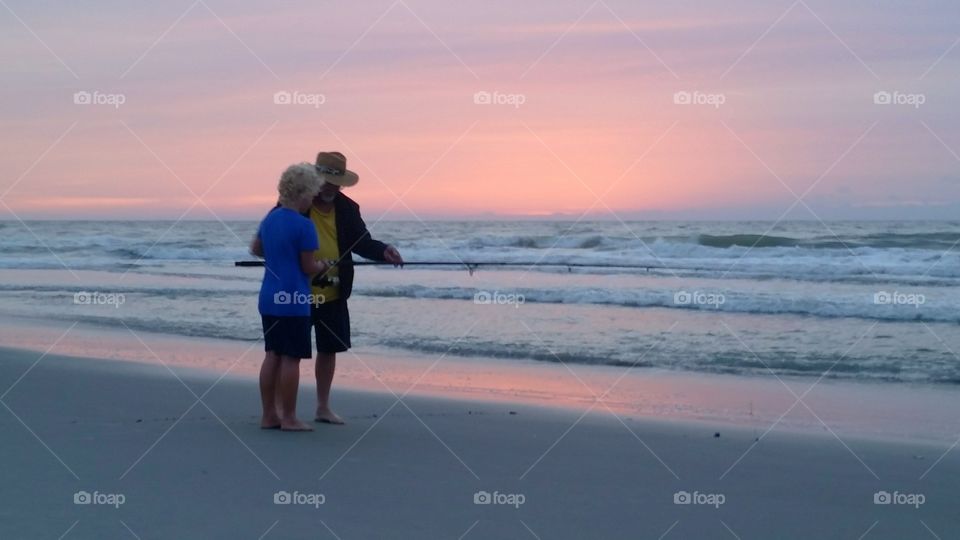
471,266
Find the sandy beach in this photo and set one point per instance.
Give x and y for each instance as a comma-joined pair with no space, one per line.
578,270
176,453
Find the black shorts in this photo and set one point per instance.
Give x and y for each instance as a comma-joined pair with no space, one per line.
331,325
287,336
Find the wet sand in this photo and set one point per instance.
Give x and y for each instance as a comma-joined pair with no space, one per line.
418,467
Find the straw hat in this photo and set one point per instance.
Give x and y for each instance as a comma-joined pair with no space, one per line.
332,168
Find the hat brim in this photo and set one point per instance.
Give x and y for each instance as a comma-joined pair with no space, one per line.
347,179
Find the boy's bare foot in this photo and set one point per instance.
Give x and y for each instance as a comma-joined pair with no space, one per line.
295,425
270,422
326,416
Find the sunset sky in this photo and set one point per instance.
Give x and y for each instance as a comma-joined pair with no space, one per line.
588,120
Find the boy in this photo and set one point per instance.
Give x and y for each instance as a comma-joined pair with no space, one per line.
287,241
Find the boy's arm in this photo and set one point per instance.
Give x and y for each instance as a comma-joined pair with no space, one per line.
308,250
256,247
310,266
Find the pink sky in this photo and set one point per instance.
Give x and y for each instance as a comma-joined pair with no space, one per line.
598,130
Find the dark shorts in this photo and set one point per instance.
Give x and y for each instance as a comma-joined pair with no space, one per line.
287,336
331,325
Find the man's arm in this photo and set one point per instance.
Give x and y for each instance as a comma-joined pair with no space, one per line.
365,246
392,255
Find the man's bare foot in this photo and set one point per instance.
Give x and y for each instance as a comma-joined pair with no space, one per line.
295,425
326,416
270,422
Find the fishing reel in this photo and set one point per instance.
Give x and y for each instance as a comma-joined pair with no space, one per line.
323,280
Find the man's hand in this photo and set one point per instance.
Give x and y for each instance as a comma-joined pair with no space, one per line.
392,256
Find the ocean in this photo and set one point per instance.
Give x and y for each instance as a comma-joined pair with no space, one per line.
844,300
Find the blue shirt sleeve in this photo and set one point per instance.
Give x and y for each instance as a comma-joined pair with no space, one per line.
260,226
308,239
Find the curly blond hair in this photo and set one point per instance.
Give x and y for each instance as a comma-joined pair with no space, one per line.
299,180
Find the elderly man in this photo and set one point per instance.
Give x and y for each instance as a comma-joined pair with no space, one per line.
341,232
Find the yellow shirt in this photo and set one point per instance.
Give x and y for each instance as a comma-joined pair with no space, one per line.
326,226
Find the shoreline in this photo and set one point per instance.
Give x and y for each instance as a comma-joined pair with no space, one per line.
862,410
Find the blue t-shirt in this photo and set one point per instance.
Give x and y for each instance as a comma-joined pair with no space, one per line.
284,235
